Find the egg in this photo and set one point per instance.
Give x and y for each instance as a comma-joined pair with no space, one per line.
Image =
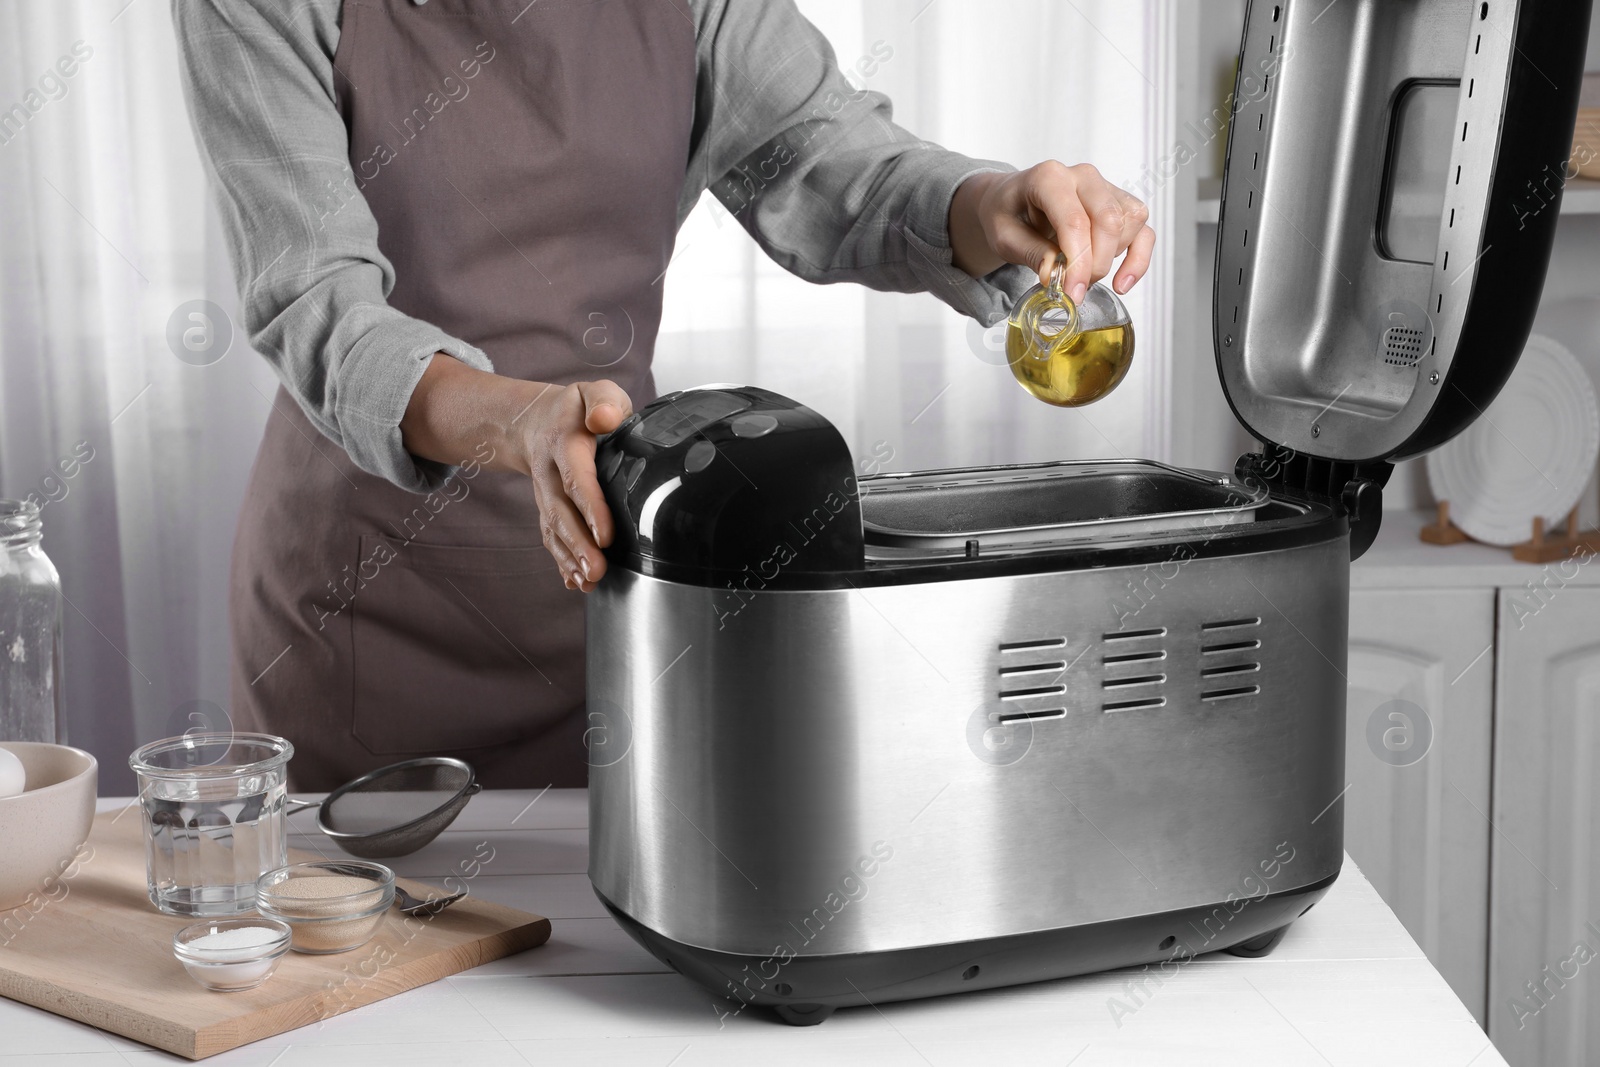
13,779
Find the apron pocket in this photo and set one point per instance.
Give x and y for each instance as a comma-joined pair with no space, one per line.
458,647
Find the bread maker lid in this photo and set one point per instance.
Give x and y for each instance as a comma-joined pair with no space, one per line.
1389,204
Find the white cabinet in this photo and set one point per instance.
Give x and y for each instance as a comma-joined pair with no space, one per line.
1488,846
1544,1002
1417,758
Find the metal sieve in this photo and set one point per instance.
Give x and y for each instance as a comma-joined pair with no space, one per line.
394,810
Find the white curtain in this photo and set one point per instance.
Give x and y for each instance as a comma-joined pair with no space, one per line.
1021,81
106,232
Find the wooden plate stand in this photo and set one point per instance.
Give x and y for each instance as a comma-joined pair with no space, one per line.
1542,547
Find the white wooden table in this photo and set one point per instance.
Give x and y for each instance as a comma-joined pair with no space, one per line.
1346,986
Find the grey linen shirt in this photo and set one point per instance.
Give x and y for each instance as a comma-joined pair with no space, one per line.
865,202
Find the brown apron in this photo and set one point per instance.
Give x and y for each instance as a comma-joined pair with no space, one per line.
524,163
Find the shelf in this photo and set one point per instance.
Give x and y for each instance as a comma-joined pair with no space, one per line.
1399,559
1582,197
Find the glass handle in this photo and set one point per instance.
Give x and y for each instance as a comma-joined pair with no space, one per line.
1047,319
1056,274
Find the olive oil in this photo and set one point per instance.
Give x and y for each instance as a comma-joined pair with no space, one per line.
1074,368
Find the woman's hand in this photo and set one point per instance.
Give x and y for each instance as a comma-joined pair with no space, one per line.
1032,216
546,432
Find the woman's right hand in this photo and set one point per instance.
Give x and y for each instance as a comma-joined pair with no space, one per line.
546,432
558,443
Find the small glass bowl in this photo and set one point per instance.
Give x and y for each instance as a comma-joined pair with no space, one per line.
228,970
327,917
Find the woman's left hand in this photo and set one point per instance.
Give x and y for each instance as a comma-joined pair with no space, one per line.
1034,216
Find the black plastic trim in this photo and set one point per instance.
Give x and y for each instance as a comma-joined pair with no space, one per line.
815,985
1319,524
1353,490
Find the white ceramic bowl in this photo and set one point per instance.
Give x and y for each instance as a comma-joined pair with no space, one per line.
43,826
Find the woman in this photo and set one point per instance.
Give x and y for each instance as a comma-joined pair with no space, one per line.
432,207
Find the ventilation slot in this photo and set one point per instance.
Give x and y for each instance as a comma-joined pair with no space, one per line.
1033,716
1131,705
1402,346
1230,624
1133,635
1144,679
1231,646
1134,657
1032,646
1241,668
1034,668
1024,694
1230,694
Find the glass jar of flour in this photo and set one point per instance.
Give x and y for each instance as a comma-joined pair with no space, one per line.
30,630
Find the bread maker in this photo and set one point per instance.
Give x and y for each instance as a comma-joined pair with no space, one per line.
861,739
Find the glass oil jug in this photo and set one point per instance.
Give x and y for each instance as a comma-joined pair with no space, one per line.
1069,354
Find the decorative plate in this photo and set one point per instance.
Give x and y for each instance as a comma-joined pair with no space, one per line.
1530,454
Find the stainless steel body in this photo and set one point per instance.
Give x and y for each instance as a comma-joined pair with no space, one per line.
1004,754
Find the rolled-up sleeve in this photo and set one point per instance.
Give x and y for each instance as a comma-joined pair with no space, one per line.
258,78
815,168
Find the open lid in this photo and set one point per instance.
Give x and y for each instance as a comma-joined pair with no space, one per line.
1391,195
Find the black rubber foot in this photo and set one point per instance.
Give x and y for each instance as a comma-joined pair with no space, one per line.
803,1014
1259,946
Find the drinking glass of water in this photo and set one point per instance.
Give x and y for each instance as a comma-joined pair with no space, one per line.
213,818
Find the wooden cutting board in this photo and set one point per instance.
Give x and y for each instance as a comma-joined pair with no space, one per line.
102,954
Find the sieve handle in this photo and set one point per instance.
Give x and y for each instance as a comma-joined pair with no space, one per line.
294,807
